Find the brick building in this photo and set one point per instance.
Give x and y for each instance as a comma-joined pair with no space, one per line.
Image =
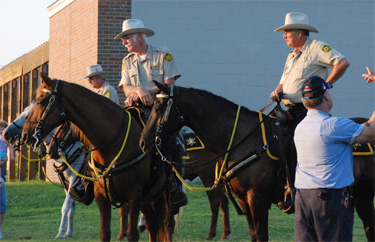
81,34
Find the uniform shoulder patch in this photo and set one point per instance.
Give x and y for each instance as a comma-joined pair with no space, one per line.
326,48
168,57
107,93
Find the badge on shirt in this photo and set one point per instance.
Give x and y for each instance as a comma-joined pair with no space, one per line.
123,65
326,48
168,57
107,93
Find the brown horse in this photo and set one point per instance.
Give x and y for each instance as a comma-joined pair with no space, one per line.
123,174
255,183
201,164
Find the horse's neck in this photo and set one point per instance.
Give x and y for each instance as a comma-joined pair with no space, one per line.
78,135
209,124
97,119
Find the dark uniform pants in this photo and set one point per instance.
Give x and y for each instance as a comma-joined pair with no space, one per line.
323,215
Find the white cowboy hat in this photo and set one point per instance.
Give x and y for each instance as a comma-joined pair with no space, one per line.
131,26
297,21
94,71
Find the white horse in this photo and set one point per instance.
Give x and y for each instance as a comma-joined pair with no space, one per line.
13,133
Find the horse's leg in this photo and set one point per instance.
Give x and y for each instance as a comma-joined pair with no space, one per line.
71,213
105,212
246,209
363,194
214,206
134,208
64,211
224,205
123,211
259,208
169,221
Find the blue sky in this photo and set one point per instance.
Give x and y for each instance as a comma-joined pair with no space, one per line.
24,25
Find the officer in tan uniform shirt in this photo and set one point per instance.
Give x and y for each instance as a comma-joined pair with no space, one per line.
144,64
309,58
95,77
140,67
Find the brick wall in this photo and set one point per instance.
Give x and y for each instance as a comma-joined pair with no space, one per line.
111,51
81,34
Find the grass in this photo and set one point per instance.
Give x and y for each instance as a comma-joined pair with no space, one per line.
34,213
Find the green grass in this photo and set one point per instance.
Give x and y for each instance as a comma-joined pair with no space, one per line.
34,213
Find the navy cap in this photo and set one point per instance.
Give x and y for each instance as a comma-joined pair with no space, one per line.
314,87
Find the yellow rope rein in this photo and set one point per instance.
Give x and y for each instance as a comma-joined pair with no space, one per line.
92,163
217,176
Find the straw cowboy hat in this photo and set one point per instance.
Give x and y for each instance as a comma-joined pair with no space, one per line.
94,70
131,26
297,21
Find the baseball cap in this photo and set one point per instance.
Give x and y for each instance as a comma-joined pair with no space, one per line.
314,87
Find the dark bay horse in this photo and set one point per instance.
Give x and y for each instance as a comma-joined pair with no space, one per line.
12,134
123,173
201,163
257,185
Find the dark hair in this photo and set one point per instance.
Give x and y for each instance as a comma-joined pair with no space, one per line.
312,103
305,32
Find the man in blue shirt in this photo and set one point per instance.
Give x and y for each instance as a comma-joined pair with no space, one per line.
324,209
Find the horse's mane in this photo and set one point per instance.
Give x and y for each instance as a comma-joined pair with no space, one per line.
215,100
83,91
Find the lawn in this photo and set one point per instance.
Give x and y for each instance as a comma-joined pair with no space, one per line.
34,213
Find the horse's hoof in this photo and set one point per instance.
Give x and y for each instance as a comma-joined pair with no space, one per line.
141,228
59,236
120,238
210,237
68,236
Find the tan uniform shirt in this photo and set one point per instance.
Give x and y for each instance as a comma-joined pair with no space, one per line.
313,59
109,91
159,65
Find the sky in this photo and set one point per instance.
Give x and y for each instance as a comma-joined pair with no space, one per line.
24,25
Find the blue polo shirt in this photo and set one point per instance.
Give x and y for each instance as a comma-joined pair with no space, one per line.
324,151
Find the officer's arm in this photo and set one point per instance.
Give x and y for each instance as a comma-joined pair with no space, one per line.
338,70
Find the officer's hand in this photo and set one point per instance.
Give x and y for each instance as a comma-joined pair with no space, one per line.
275,94
144,96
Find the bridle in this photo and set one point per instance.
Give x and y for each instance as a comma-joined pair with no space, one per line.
38,130
165,117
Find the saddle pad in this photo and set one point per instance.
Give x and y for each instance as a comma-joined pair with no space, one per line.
192,142
362,149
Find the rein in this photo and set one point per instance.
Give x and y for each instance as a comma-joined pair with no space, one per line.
92,163
218,176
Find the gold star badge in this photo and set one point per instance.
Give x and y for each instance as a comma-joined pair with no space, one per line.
190,141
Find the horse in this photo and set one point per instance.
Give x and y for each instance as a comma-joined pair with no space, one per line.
12,134
200,164
250,173
114,135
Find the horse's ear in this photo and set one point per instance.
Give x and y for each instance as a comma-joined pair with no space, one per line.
45,79
163,87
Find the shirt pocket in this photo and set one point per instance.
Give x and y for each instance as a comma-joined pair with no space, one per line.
157,75
133,75
304,63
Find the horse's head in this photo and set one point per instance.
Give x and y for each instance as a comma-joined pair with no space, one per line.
45,115
61,140
165,119
13,132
